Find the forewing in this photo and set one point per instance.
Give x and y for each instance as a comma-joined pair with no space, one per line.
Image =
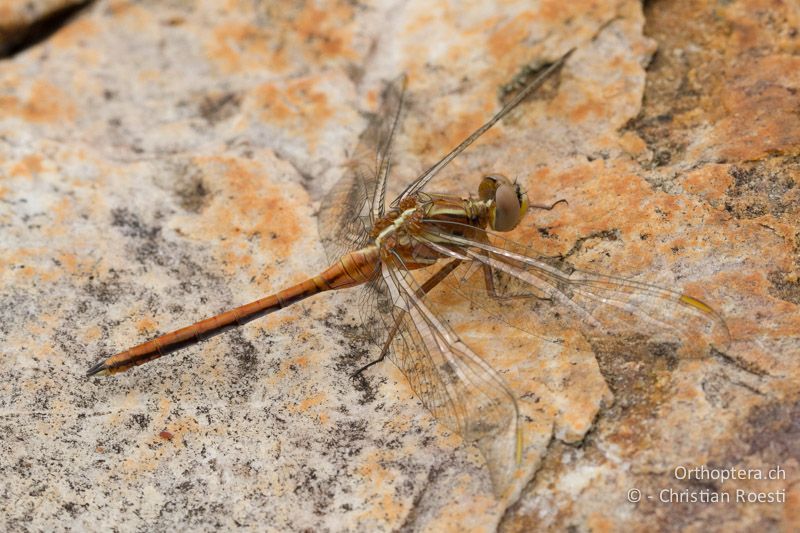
375,309
422,180
455,384
531,291
343,221
350,208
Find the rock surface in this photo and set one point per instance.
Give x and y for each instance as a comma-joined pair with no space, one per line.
161,163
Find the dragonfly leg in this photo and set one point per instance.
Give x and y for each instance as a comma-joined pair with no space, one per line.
488,278
426,287
384,350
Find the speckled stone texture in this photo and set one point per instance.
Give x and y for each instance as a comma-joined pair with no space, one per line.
160,163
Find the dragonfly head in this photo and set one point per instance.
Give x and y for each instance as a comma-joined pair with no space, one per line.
507,203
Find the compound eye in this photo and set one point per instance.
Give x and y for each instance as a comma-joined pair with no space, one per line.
507,208
489,185
487,188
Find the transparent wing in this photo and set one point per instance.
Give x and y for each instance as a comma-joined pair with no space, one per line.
375,309
423,179
456,385
530,291
351,207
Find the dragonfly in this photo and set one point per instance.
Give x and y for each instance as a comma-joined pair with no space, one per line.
401,253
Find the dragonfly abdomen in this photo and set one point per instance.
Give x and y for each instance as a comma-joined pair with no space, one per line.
353,269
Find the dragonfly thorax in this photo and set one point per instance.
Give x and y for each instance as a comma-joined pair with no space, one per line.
397,223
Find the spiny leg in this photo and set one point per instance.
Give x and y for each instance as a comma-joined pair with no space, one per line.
385,348
488,276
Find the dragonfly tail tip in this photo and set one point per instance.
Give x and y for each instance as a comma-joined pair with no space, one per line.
99,368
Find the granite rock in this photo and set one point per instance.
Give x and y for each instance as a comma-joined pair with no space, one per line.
163,161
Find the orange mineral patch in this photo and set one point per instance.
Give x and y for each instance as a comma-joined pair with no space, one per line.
274,104
45,103
586,110
311,401
509,35
761,118
132,15
146,325
237,46
322,32
601,524
316,34
92,333
297,107
69,263
27,166
297,103
711,181
78,30
254,205
428,143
